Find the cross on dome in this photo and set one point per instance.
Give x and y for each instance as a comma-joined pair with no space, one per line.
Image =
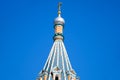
59,8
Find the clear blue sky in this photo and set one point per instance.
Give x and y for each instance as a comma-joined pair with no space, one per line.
92,37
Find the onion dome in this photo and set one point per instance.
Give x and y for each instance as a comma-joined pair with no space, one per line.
59,19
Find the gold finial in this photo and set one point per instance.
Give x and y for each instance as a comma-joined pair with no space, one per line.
59,8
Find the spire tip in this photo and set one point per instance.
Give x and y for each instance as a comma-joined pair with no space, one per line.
59,8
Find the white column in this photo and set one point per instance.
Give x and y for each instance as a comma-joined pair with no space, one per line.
58,54
53,60
52,53
61,53
67,56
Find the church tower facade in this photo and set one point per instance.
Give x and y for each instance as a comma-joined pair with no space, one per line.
58,66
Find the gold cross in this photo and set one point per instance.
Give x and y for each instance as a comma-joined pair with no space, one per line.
59,6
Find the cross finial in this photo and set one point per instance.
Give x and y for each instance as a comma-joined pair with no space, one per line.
59,8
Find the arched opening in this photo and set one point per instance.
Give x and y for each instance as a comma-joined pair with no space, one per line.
52,74
56,78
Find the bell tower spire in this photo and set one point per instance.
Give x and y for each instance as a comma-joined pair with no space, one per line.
58,66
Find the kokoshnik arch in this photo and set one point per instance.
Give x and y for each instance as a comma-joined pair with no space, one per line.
58,66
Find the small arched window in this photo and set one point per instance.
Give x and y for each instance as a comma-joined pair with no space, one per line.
56,78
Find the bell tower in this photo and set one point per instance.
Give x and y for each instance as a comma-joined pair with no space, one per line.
58,66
